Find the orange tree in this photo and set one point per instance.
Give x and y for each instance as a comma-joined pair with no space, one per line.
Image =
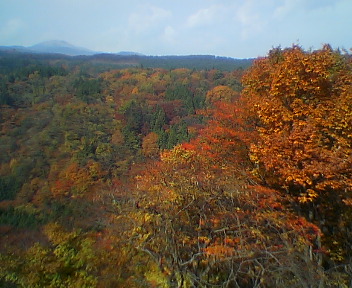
302,104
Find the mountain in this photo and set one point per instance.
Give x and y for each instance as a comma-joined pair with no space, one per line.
50,47
61,47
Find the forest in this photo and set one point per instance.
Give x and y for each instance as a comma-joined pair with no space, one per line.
176,176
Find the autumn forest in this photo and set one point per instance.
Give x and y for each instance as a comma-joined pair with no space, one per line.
147,176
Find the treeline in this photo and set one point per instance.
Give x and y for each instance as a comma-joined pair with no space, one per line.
101,62
146,177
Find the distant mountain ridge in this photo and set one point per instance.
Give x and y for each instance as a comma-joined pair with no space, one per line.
64,51
60,47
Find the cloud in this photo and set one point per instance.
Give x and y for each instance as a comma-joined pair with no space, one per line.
281,11
289,7
249,17
318,5
169,34
203,17
146,18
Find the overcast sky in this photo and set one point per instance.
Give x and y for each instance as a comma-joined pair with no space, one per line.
234,28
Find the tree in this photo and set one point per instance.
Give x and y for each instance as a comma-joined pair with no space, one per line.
158,120
150,147
4,95
221,93
205,228
88,90
301,103
76,181
67,262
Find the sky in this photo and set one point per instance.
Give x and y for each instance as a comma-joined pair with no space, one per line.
231,28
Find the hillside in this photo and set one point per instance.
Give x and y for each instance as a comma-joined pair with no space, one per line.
117,173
